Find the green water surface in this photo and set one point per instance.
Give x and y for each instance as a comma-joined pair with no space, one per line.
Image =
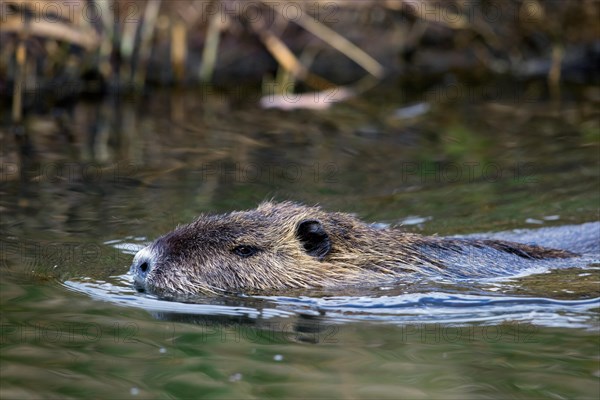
129,170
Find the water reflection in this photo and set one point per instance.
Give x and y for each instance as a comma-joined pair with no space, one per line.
393,306
94,183
186,152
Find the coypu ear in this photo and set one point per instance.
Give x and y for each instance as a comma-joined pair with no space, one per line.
314,238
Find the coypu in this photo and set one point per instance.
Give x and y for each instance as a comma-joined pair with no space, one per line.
282,246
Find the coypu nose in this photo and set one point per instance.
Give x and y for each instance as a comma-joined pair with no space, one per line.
143,262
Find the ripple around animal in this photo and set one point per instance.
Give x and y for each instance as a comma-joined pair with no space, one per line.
425,307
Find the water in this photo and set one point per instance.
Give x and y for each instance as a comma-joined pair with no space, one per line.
73,215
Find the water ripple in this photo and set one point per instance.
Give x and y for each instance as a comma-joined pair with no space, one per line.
408,308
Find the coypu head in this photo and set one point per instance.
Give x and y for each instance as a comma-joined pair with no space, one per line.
276,246
282,246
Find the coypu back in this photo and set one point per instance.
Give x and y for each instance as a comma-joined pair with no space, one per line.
280,246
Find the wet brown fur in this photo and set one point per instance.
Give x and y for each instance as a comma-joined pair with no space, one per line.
200,257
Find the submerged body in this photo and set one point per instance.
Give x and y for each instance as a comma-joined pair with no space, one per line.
282,246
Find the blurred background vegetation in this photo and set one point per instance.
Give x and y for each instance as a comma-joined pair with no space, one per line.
186,91
90,47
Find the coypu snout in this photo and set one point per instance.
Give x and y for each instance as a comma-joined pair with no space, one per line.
142,265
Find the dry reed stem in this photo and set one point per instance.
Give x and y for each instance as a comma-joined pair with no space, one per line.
148,27
337,41
58,31
286,58
210,50
108,32
555,71
178,49
21,58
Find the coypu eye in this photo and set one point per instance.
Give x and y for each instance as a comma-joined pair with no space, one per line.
245,251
